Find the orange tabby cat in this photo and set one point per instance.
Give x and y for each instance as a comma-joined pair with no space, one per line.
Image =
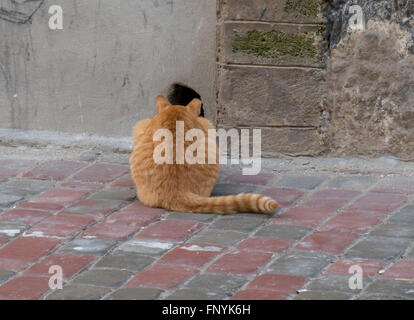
183,187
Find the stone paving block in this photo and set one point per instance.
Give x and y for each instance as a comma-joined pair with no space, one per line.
101,172
60,195
147,247
352,221
125,260
353,182
173,230
88,246
135,294
405,215
227,189
25,188
77,185
11,229
331,198
304,216
124,194
6,275
378,248
124,182
402,269
54,170
300,263
277,282
28,248
301,182
24,288
238,222
13,264
69,263
78,292
121,224
2,240
60,226
391,287
370,268
380,297
265,244
322,295
334,282
161,277
44,206
257,294
12,167
193,294
259,179
89,155
202,217
378,202
191,254
220,237
24,216
241,262
410,253
103,277
290,232
6,200
394,230
284,196
96,209
332,242
221,284
113,157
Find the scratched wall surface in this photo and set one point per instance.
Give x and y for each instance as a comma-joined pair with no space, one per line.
101,73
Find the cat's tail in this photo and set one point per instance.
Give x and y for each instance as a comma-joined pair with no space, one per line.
243,202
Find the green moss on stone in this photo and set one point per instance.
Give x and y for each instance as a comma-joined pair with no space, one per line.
307,8
277,44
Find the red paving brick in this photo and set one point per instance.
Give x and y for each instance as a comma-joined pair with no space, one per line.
82,186
254,294
24,288
277,282
402,269
304,216
284,196
124,182
331,198
60,196
378,202
12,264
101,172
161,276
369,267
191,254
25,216
353,221
11,168
265,244
54,170
243,262
69,263
60,226
46,206
174,230
333,242
27,248
121,224
261,178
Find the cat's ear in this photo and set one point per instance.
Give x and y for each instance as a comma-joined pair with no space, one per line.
195,106
162,103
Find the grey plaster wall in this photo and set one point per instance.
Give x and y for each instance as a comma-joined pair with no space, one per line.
101,73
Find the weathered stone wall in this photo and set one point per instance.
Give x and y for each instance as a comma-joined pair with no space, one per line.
271,72
292,68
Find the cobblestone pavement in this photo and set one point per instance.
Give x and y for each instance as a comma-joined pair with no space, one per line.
78,210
